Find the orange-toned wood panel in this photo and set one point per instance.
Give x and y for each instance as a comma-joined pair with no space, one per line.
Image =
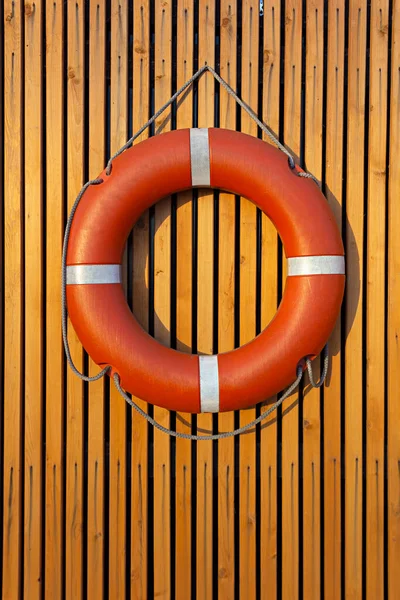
376,266
205,311
140,306
311,425
247,310
332,391
53,558
184,306
353,416
393,314
226,315
13,299
74,394
290,408
269,301
117,465
96,404
162,309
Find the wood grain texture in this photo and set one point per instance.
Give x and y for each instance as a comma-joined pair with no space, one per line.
162,310
140,307
13,298
290,409
311,425
376,240
205,312
184,319
393,313
247,311
96,404
33,301
117,465
226,314
269,300
74,396
332,392
354,301
53,562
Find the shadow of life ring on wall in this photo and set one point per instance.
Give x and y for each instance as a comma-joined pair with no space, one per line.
237,163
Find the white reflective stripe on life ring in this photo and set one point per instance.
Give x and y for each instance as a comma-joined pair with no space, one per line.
200,157
209,383
316,265
93,274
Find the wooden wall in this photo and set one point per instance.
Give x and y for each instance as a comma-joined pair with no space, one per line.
96,504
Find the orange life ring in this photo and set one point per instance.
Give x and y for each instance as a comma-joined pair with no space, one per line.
170,163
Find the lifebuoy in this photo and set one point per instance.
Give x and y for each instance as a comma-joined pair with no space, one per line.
167,164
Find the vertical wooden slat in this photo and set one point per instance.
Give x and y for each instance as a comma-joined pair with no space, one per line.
54,350
140,305
332,391
118,136
205,311
96,431
247,317
226,316
354,301
311,424
74,441
162,310
184,291
375,357
13,294
290,411
33,300
393,323
269,295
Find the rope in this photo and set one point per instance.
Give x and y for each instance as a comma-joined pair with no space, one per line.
64,314
325,355
234,95
215,436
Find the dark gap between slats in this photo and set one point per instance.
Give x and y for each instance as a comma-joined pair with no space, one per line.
172,440
127,17
216,237
129,412
106,385
345,236
85,405
150,457
386,331
364,315
259,283
43,307
237,314
173,313
65,364
301,386
322,396
23,295
2,298
106,557
214,507
194,304
279,495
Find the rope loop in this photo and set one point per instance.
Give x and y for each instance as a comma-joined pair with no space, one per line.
325,358
215,436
